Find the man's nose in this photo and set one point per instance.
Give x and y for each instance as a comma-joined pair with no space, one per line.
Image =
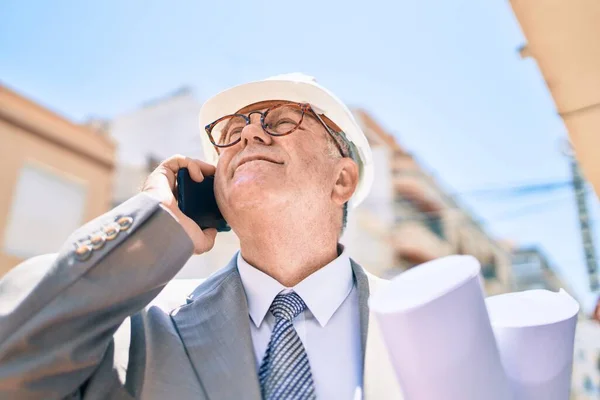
253,132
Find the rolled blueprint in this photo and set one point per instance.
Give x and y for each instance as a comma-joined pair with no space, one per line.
535,332
436,328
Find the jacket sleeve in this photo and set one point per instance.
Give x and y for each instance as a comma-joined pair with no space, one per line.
58,313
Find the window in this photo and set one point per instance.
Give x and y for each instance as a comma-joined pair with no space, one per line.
435,224
46,209
488,270
406,210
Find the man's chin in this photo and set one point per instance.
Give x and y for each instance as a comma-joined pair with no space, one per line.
252,189
249,179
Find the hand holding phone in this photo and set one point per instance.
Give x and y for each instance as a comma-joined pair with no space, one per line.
197,201
161,185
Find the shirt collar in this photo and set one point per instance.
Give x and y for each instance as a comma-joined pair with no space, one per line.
323,291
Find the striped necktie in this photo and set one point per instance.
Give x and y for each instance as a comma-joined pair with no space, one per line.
285,371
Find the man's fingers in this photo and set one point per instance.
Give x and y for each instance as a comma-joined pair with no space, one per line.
161,185
205,168
198,169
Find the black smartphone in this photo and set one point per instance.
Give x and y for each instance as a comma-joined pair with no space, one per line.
197,201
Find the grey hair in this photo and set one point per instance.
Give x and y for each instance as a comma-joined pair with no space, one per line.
344,218
333,151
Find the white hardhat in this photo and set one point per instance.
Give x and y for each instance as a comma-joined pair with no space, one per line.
298,88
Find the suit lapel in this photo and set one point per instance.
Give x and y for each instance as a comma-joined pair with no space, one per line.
215,331
379,379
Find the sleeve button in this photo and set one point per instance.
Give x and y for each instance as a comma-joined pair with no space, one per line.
97,241
111,231
83,252
124,223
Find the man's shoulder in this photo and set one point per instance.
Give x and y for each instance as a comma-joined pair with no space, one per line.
374,281
182,291
175,294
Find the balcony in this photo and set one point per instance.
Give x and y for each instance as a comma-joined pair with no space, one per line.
416,187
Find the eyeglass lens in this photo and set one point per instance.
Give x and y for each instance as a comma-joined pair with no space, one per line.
278,121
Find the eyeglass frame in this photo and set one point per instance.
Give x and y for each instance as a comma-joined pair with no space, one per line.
304,107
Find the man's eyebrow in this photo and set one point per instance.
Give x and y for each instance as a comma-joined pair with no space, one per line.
295,110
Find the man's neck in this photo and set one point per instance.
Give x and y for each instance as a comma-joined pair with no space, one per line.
288,255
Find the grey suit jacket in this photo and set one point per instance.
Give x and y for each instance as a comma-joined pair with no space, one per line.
107,324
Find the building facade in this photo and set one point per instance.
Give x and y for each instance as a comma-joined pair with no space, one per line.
55,176
147,135
420,219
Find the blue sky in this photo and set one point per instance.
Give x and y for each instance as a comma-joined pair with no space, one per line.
444,77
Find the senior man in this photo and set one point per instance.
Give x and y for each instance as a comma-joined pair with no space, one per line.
286,319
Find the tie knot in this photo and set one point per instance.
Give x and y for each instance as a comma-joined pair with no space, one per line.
287,306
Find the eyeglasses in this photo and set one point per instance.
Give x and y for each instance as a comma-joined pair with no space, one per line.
279,120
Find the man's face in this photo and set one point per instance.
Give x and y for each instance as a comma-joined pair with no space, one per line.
263,172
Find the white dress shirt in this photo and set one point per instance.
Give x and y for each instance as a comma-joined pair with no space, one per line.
329,328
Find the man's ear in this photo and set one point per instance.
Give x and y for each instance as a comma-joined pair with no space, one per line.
346,181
